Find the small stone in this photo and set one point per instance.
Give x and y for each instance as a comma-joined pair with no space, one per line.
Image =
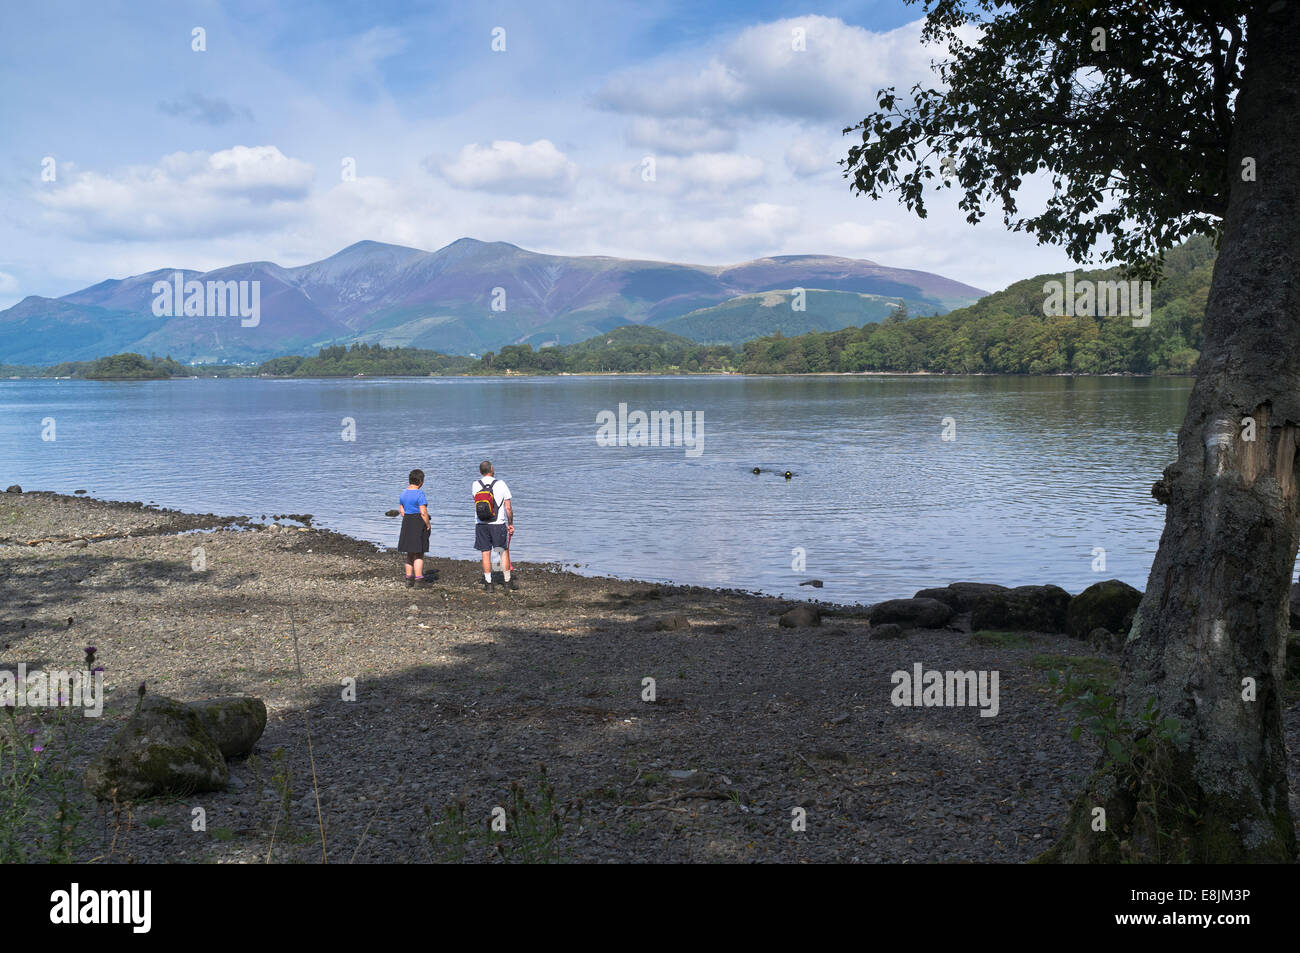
801,617
1104,640
840,719
682,775
672,622
885,630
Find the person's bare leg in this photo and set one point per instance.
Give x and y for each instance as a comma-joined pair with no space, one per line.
487,564
419,567
410,565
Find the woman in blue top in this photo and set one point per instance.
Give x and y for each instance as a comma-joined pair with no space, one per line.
414,541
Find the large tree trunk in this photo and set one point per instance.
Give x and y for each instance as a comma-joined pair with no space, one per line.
1215,610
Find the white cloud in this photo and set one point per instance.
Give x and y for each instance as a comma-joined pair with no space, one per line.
680,136
760,72
707,172
261,171
806,156
8,285
865,240
367,50
511,167
715,170
185,194
734,235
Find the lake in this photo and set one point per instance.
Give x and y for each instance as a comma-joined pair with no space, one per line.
1039,474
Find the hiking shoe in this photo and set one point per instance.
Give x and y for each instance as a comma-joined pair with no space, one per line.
488,586
410,582
512,585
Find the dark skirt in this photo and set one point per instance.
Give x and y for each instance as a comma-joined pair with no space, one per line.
415,535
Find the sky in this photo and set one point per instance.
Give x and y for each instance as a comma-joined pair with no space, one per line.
680,131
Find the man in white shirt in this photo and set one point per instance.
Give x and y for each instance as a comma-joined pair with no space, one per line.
494,535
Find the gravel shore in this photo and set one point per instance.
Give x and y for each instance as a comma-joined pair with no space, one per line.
460,693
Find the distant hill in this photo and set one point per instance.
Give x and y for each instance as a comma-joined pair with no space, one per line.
750,316
1003,333
469,297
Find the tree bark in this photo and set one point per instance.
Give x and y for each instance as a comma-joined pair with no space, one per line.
1215,612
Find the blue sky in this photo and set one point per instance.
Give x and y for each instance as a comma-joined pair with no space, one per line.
164,156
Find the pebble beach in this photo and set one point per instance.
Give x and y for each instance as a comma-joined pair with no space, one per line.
400,718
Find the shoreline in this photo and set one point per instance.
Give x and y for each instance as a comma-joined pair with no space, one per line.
509,376
459,694
188,522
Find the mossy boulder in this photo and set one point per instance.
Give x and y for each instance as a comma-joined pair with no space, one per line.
162,749
961,596
1103,605
911,613
234,723
1022,609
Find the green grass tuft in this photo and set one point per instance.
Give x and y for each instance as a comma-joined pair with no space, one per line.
1005,640
1100,674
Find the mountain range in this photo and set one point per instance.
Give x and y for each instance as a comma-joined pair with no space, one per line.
469,297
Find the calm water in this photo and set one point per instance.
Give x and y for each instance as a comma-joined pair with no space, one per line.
1042,470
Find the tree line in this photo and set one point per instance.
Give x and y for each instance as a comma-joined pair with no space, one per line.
1008,333
1003,333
